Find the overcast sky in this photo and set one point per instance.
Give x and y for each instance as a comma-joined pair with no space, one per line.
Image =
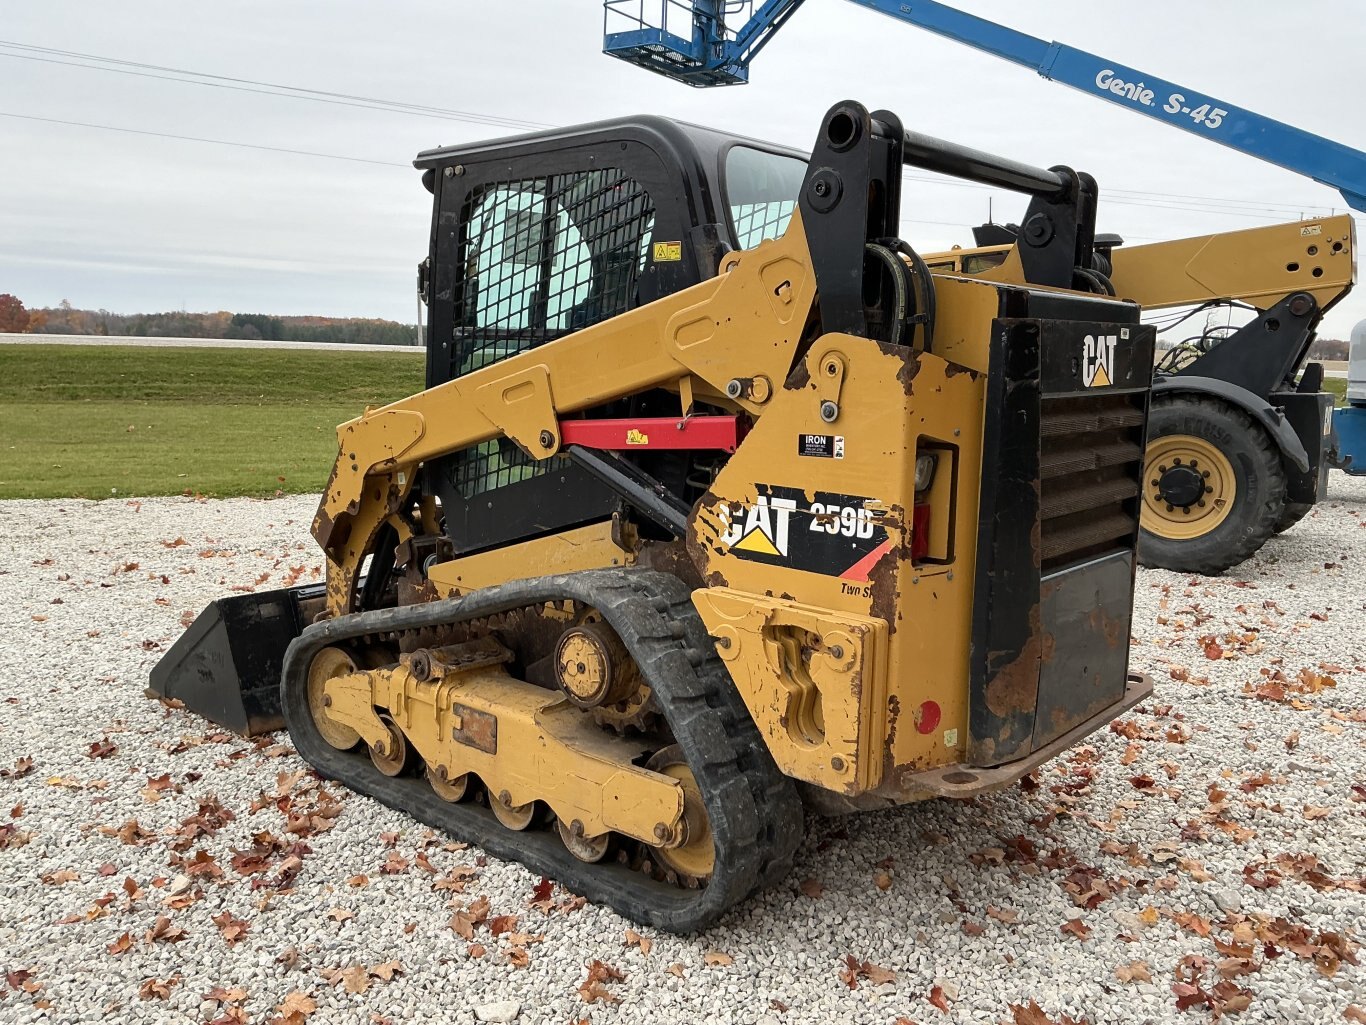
135,223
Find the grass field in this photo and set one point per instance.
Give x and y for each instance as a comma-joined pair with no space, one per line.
97,422
94,422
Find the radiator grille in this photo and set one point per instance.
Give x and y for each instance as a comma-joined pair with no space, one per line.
1090,466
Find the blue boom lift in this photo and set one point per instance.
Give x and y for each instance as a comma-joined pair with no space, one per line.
712,42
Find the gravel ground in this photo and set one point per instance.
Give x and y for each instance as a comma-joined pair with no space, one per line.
1208,849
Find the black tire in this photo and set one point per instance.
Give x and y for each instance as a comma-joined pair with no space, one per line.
1259,501
1292,514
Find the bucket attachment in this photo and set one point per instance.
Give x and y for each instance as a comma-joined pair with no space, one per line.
226,666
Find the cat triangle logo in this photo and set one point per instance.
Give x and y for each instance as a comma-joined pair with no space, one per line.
1098,361
757,541
759,529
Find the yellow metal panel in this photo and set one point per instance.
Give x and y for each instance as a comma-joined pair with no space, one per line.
814,680
892,401
520,740
1259,266
590,547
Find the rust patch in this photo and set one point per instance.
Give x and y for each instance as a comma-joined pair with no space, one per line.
882,577
322,522
1014,687
477,729
670,557
954,369
799,378
910,366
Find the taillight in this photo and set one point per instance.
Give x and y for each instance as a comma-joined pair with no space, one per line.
920,531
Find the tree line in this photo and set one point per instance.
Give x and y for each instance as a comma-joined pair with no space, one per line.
65,319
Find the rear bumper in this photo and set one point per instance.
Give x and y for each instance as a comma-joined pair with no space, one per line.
961,780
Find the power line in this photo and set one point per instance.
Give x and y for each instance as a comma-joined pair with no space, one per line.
1163,201
196,138
187,77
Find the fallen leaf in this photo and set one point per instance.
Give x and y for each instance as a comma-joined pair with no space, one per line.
502,923
1033,1014
1077,928
164,932
121,945
102,748
1006,915
635,939
296,1003
157,989
811,888
1134,971
938,999
594,986
715,958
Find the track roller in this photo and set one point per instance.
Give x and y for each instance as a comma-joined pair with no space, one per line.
515,817
452,790
398,757
590,849
328,664
694,859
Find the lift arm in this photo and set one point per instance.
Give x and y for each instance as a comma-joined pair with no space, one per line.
717,51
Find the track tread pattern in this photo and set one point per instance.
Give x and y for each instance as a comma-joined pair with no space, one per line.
755,811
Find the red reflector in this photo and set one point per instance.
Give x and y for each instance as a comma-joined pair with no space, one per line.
928,719
920,531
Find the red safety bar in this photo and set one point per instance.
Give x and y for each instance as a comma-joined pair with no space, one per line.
718,433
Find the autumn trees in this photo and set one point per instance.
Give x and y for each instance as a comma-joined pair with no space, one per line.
13,317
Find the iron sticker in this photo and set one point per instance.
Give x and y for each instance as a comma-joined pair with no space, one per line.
825,446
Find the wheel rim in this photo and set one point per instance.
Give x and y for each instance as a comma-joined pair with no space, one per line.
695,858
514,817
329,664
1189,487
590,849
392,763
451,790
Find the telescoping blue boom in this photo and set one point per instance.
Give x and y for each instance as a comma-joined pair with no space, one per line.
711,42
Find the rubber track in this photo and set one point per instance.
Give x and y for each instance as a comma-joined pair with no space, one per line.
755,812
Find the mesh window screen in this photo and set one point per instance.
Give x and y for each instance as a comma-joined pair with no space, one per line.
762,188
759,222
542,257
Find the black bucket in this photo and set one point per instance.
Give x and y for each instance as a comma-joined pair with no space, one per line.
226,666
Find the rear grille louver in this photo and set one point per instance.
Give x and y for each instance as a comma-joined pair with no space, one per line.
1090,465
